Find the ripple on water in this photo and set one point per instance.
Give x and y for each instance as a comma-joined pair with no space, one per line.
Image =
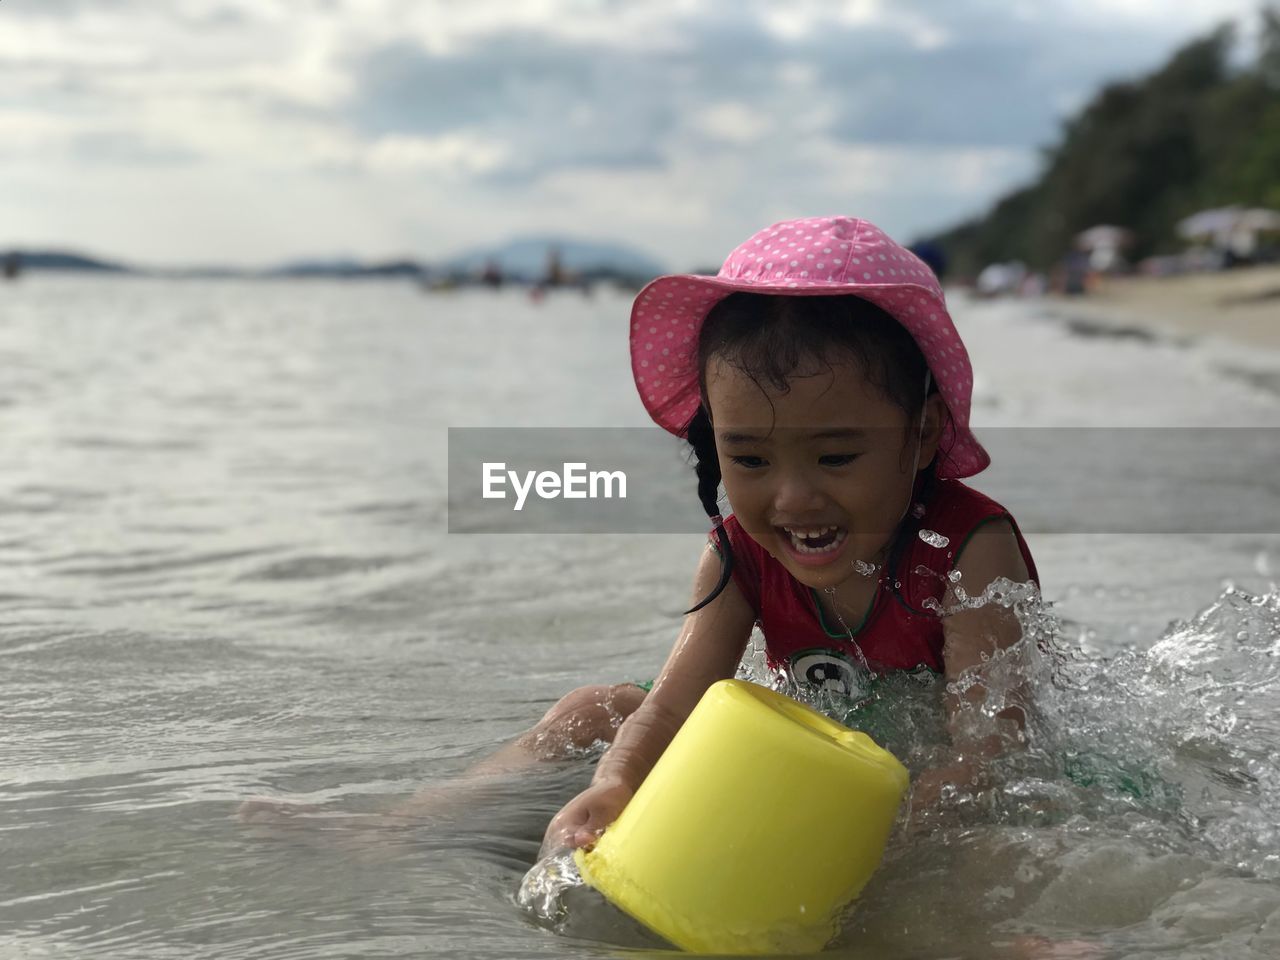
320,567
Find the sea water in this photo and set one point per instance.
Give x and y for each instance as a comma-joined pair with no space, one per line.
226,575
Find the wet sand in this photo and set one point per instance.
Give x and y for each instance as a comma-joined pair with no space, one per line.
1241,305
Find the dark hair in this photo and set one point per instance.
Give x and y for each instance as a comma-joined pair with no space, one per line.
770,337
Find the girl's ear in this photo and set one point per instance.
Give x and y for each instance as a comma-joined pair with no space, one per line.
935,419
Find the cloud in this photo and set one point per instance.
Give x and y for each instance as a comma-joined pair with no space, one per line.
552,103
736,75
126,148
452,154
47,9
432,124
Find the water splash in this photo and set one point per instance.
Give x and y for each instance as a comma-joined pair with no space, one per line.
1194,717
935,539
1262,564
1150,778
554,895
835,608
542,891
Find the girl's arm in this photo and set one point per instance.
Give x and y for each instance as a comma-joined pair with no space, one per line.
708,649
972,637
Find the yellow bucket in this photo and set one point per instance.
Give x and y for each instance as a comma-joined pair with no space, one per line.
760,823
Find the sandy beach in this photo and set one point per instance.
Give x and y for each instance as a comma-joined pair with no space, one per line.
1241,305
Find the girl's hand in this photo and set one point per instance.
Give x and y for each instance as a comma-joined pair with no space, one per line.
584,818
708,649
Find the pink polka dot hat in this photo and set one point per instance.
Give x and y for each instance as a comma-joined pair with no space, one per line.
815,256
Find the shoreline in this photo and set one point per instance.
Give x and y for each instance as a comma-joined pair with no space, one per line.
1241,306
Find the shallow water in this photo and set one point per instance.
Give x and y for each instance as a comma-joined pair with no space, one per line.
226,575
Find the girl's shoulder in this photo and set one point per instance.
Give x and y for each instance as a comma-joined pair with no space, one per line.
954,514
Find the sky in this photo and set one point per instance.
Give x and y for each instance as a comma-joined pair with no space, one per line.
250,132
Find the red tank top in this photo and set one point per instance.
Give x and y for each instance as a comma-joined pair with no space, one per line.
899,632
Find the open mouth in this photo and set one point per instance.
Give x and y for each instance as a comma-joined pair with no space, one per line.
814,543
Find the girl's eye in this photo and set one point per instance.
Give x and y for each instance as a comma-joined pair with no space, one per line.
838,459
751,463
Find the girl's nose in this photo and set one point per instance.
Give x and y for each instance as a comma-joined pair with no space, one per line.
796,497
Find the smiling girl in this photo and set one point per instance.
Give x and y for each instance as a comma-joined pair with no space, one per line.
819,379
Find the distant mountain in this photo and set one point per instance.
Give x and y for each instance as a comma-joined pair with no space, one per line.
61,260
526,257
346,269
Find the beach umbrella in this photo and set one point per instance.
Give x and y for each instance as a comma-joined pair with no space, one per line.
1217,222
1001,277
1229,226
1260,219
1103,236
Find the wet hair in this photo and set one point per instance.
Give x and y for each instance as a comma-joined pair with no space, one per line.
769,338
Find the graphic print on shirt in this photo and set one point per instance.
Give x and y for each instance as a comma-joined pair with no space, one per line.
825,669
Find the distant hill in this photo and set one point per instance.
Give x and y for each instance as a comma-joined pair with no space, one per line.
521,259
61,260
526,257
346,269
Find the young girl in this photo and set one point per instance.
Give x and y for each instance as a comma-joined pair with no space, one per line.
820,379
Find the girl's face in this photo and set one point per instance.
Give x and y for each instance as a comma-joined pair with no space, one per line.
819,475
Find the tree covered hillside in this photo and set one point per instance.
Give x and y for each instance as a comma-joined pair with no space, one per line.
1144,154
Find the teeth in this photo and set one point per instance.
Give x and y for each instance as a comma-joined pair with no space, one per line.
798,538
810,533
